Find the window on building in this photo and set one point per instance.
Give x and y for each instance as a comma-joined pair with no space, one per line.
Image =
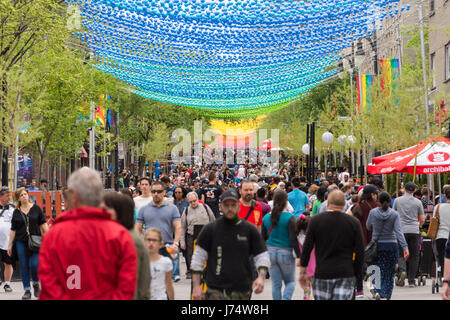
433,69
447,61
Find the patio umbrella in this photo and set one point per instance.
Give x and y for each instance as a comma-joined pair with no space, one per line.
433,156
266,145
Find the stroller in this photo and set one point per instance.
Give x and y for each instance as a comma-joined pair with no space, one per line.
437,281
425,260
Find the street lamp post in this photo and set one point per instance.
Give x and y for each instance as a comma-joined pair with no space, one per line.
308,154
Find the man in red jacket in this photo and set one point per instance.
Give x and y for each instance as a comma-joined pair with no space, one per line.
85,255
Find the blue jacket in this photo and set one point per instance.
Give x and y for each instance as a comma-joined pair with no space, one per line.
386,226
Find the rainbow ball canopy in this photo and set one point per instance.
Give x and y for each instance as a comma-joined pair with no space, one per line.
228,58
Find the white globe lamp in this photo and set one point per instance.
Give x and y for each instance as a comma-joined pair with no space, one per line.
341,139
327,137
305,149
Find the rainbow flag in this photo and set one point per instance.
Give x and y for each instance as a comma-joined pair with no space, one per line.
363,86
100,116
389,75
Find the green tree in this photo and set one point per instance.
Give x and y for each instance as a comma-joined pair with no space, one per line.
26,28
157,147
139,116
70,83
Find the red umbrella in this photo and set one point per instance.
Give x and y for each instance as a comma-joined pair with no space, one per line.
266,144
433,156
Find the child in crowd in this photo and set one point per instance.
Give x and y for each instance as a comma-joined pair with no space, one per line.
160,267
300,230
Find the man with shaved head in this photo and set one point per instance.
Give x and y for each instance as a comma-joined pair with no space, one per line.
339,248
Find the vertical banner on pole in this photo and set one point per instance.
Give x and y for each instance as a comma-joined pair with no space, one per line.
308,156
92,138
363,86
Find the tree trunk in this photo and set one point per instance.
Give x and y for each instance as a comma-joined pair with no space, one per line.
4,91
68,168
41,163
141,167
1,162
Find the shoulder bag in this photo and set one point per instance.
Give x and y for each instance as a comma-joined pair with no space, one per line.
434,225
251,209
34,241
371,250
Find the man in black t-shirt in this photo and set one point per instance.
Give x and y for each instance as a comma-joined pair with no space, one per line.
339,251
211,193
227,245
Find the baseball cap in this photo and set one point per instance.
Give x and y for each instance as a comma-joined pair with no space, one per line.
411,186
253,178
369,189
229,194
205,180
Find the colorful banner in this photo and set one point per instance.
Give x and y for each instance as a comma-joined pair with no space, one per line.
100,116
389,75
25,170
110,118
363,86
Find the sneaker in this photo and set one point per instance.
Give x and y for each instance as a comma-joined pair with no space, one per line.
188,276
377,296
27,295
412,284
7,288
401,281
36,289
359,295
177,278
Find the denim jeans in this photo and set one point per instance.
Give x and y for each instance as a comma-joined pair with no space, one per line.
27,264
176,266
282,268
175,262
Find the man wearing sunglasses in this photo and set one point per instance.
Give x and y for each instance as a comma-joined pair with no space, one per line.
164,216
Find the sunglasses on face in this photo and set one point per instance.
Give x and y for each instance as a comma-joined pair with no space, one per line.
157,191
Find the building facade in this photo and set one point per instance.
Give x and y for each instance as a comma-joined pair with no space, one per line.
439,47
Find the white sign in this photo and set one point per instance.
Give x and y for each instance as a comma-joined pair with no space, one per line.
121,151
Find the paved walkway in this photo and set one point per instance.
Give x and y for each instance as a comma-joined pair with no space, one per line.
182,291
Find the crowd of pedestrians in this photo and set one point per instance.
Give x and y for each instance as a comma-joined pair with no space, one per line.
246,228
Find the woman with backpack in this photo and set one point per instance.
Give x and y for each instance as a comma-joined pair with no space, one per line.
194,217
386,230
